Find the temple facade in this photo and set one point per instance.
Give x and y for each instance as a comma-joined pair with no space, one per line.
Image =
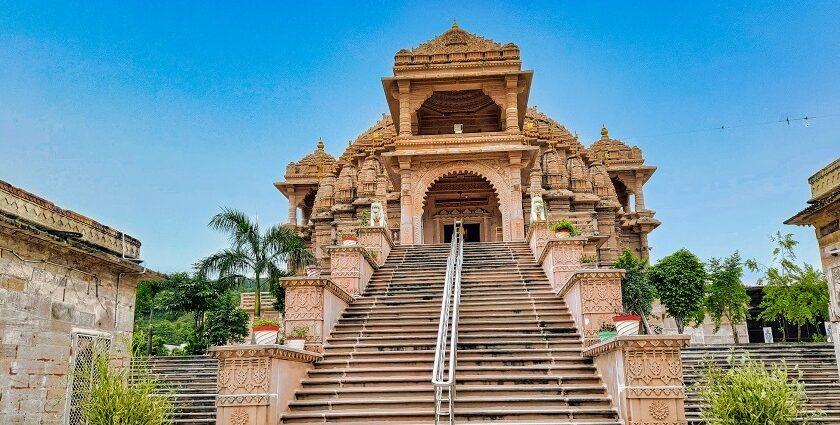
461,142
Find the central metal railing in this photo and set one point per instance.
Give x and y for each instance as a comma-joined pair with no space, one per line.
446,350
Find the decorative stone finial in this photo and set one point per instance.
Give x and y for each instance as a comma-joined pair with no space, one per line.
455,24
604,132
320,144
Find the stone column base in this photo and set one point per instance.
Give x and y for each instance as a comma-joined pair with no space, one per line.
593,298
351,267
316,303
256,382
644,377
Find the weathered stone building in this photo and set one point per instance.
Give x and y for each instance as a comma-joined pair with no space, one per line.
465,144
67,287
824,214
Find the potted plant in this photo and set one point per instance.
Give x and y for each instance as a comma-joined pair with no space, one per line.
348,239
313,270
627,324
265,331
606,331
588,261
563,229
297,338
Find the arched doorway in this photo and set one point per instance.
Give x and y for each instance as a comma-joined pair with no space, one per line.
464,196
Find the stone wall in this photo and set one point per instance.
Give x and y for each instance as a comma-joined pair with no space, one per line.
51,290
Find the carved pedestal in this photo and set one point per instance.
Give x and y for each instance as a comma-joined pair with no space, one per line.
257,382
538,235
593,297
316,303
351,267
644,377
376,240
560,258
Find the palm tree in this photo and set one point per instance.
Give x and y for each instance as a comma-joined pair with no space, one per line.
261,256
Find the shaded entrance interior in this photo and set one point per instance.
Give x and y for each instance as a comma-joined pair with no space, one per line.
465,196
474,110
472,232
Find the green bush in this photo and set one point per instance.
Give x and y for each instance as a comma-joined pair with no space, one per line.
119,396
563,225
265,322
747,393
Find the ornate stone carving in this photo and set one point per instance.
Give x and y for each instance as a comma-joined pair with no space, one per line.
239,417
42,212
648,384
243,375
304,303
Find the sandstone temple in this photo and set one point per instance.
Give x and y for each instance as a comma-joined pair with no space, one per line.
462,142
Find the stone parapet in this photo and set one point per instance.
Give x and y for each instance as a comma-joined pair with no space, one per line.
376,240
644,377
593,298
351,267
537,236
256,382
560,258
43,213
316,303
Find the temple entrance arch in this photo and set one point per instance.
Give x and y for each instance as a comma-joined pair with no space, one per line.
492,172
463,196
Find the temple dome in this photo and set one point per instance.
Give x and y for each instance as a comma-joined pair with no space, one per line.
316,164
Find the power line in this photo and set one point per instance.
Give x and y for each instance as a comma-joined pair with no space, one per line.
787,120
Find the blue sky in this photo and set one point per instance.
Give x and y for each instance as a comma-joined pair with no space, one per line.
151,116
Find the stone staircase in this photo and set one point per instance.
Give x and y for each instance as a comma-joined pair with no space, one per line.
816,361
192,379
519,355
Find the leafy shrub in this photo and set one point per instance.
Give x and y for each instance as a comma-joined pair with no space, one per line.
563,225
299,332
747,393
584,259
119,396
265,322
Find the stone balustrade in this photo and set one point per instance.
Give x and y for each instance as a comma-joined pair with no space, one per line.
314,302
593,298
644,377
351,267
257,382
378,242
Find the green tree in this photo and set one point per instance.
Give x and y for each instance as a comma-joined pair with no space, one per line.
263,256
637,292
147,300
726,295
679,281
792,293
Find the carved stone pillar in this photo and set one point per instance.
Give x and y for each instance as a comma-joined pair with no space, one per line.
316,303
560,258
293,210
405,109
351,268
511,108
256,382
644,377
593,298
640,194
406,203
517,217
377,240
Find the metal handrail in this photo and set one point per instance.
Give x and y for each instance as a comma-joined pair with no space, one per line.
448,326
